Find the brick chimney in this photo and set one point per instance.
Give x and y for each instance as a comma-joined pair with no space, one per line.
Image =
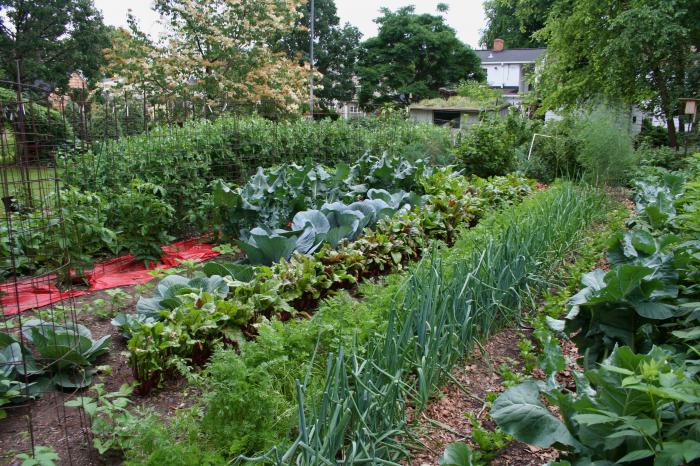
499,45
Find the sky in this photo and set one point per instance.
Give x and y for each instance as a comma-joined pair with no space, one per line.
465,16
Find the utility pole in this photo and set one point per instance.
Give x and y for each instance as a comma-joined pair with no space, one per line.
311,60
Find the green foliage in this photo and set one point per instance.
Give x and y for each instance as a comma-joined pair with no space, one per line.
637,53
594,145
110,419
429,328
85,232
42,456
606,151
515,21
637,325
483,150
651,136
48,129
52,40
650,282
400,67
489,442
143,217
273,196
456,454
60,355
478,91
332,224
664,157
255,377
632,407
555,154
336,51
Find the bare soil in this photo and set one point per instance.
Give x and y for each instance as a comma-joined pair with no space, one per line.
46,421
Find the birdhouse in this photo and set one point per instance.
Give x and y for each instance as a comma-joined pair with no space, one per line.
691,106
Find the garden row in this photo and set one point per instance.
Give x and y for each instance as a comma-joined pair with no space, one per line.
141,215
636,328
401,338
289,272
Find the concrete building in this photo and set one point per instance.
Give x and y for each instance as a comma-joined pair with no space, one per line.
454,112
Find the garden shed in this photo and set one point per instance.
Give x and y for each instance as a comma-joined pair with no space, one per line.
454,112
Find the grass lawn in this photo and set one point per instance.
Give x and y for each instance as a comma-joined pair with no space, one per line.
41,182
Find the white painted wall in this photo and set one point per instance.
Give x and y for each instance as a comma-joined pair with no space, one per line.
503,75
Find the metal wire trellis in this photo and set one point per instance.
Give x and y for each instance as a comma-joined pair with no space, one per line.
37,349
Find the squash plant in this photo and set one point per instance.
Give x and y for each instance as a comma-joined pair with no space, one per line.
634,408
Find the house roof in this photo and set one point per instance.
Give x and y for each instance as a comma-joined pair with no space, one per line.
510,55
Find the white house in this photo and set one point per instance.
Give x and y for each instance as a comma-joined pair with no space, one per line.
508,69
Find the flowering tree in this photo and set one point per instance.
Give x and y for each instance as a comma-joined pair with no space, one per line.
214,50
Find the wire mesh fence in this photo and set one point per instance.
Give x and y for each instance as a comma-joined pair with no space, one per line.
44,354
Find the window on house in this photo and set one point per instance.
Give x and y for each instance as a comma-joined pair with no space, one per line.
446,118
634,119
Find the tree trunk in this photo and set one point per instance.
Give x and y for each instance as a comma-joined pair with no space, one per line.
671,126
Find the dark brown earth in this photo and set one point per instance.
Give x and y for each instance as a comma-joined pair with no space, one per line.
66,429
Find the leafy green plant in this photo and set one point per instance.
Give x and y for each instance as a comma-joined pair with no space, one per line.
633,407
66,351
484,151
174,290
42,456
143,217
108,414
457,454
489,442
428,329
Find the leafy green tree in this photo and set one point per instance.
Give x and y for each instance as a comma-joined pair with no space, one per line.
214,51
336,51
50,39
412,57
631,51
515,21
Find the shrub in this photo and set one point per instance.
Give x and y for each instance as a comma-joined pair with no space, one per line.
663,156
652,136
484,149
85,234
554,154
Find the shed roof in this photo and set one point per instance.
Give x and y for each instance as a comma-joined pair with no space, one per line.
510,55
462,109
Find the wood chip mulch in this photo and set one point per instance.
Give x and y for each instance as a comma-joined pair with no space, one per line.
444,421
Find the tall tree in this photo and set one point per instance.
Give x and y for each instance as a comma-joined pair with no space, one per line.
515,21
336,51
633,51
49,39
214,50
412,57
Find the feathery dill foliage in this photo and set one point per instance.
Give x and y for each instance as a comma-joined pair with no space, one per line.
606,150
448,304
